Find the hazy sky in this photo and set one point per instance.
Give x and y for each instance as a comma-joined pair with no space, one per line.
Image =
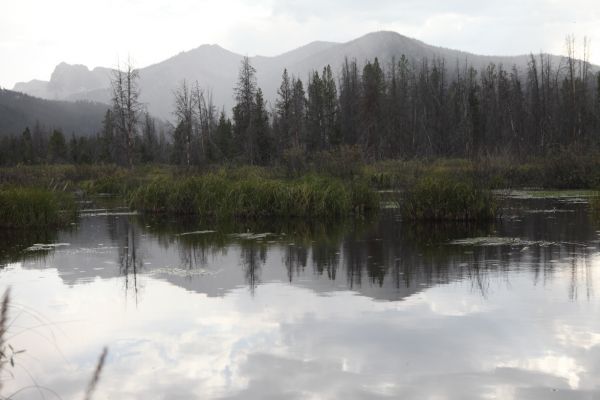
35,35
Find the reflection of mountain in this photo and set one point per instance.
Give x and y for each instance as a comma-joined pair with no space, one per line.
385,259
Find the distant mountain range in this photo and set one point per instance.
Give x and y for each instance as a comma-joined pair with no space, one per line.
216,68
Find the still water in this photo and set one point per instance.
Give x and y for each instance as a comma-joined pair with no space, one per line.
364,309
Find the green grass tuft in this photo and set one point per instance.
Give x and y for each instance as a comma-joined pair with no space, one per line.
31,207
442,199
219,195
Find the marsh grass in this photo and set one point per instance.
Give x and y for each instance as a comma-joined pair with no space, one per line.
566,168
32,207
219,195
445,199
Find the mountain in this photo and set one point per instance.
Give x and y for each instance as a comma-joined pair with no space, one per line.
216,68
18,110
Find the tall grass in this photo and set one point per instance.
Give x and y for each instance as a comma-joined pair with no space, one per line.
32,207
567,168
443,199
254,196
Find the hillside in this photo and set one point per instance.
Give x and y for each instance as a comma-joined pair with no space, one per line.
18,110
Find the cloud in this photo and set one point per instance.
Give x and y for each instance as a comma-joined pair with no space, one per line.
35,36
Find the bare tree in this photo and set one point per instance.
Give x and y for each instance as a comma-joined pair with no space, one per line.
184,111
127,107
199,120
205,116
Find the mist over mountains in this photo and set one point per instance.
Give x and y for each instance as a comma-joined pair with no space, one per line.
216,69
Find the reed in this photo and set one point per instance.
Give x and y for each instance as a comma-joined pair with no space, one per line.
33,207
443,199
219,195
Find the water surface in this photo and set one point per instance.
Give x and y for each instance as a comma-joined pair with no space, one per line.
362,309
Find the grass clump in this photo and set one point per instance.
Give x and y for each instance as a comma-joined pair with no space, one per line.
34,207
218,195
443,199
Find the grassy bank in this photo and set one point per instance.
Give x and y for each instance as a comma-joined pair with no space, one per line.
564,170
33,207
218,195
330,184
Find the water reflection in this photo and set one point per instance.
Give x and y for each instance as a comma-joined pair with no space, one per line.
294,309
381,258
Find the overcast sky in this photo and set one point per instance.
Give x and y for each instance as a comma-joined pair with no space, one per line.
35,35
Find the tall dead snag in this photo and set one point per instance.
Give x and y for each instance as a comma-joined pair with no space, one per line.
126,107
184,112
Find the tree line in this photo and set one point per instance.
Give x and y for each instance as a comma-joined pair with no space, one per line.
403,109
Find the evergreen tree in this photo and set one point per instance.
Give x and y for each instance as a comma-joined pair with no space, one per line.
26,152
350,95
57,147
315,135
298,115
372,107
149,140
283,111
39,143
260,126
331,130
474,115
180,144
109,142
243,112
224,138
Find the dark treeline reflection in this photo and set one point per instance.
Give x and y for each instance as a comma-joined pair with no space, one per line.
381,257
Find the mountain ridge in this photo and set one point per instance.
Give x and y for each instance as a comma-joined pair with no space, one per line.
216,68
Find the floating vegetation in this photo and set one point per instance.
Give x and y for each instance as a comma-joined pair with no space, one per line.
547,194
182,272
251,236
104,212
492,241
205,232
548,211
46,246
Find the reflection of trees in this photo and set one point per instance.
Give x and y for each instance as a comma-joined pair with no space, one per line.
326,258
399,257
581,270
254,255
193,257
123,232
298,238
413,255
295,258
